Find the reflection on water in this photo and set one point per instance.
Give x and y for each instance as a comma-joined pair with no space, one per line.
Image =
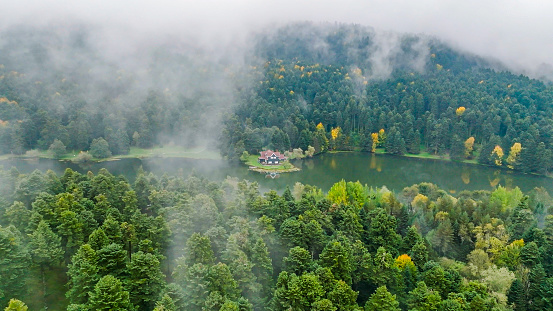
322,171
465,176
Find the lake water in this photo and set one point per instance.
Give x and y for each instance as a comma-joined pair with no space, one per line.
322,171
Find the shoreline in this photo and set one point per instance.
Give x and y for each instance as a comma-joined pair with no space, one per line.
204,154
134,153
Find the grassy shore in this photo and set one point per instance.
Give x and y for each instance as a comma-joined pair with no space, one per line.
140,153
258,167
427,155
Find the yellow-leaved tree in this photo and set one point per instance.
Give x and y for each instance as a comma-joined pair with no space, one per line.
335,132
460,111
469,147
513,155
497,155
374,137
381,137
403,261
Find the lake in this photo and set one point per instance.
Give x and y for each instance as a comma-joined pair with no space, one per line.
322,171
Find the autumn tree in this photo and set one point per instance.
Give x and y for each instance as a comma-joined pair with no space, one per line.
512,159
497,155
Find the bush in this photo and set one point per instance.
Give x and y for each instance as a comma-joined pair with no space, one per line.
83,156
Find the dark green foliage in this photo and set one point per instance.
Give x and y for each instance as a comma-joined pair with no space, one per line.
145,280
395,144
517,296
14,264
337,256
313,254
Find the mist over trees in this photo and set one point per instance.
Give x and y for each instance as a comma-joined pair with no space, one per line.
291,87
97,242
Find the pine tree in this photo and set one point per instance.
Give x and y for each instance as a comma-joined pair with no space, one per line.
108,294
457,150
14,264
83,274
145,280
517,296
382,300
46,251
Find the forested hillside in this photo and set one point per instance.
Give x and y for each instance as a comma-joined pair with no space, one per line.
62,83
347,87
96,242
330,86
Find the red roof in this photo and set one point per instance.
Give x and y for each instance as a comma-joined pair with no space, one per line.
266,154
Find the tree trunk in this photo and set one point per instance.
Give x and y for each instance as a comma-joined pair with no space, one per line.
43,286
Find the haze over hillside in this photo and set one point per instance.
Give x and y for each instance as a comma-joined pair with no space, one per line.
517,33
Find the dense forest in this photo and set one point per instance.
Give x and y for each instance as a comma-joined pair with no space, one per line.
419,96
329,86
97,242
101,242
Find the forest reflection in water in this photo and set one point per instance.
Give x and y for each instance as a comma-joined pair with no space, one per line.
322,171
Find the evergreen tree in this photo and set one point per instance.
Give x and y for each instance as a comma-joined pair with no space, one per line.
457,151
83,275
46,251
382,300
145,280
109,295
14,264
517,296
485,156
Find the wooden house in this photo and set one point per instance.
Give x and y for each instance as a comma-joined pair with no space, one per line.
270,157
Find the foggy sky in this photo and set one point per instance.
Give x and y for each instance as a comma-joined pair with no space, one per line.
519,33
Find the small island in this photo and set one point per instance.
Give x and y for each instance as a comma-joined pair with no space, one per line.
268,162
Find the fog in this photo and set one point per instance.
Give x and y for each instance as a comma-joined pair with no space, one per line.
516,32
116,52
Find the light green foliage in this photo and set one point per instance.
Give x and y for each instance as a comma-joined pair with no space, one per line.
108,294
382,300
498,280
507,199
16,305
338,193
